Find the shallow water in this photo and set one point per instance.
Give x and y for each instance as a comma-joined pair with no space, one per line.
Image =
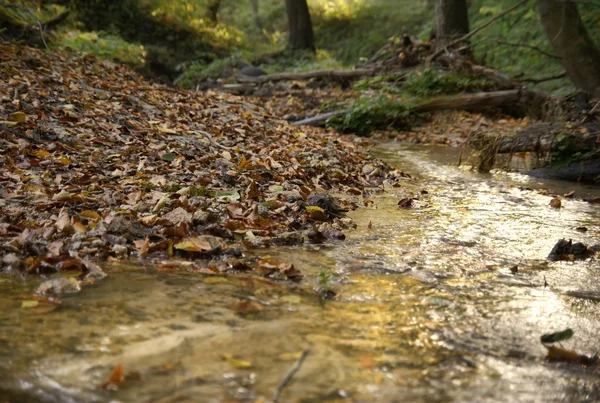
427,309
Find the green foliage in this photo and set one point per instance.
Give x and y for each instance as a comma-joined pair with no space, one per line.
498,45
564,153
201,71
105,45
389,83
324,277
300,61
368,114
430,82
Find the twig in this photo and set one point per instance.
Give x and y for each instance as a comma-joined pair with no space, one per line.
476,30
211,140
42,33
289,376
521,45
544,79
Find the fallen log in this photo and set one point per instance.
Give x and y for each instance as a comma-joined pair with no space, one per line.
584,171
462,101
470,101
539,137
341,74
319,119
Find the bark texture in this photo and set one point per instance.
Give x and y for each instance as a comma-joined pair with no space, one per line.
571,42
300,25
452,20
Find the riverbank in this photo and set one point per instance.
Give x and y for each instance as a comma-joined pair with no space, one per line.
98,164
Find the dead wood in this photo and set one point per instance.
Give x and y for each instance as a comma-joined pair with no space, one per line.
462,101
339,74
539,137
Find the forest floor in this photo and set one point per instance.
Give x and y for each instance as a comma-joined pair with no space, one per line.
99,164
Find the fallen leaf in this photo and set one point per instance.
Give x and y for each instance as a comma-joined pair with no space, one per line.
555,202
18,117
115,379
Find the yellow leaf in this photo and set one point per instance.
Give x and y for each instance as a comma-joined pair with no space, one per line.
18,117
243,163
29,304
42,153
64,160
237,363
313,209
195,244
90,214
8,123
166,130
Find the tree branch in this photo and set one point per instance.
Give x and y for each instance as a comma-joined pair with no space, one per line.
544,79
476,30
520,45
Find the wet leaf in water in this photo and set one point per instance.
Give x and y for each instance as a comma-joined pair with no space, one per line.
29,304
555,202
406,202
116,378
557,336
561,354
237,363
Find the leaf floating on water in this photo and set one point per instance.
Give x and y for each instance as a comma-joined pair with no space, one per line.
406,202
29,304
561,354
555,202
116,378
557,336
237,363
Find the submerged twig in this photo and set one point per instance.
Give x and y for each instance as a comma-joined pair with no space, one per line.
289,376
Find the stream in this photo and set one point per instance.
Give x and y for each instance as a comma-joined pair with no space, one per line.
427,309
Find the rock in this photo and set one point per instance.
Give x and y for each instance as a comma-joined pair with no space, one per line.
124,226
327,203
252,71
178,216
62,285
567,250
288,238
120,250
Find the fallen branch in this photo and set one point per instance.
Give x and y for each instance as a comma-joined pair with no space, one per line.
319,119
289,376
461,101
210,139
539,137
476,30
544,79
521,45
310,74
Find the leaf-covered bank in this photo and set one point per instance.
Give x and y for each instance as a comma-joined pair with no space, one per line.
99,164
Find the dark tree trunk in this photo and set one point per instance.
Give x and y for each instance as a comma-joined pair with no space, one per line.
213,10
571,42
300,25
452,20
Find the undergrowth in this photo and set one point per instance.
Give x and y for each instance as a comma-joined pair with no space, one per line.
371,113
428,82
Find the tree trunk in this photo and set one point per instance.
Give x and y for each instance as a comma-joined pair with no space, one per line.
300,25
452,20
571,42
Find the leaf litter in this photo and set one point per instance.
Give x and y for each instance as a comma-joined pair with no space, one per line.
99,165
